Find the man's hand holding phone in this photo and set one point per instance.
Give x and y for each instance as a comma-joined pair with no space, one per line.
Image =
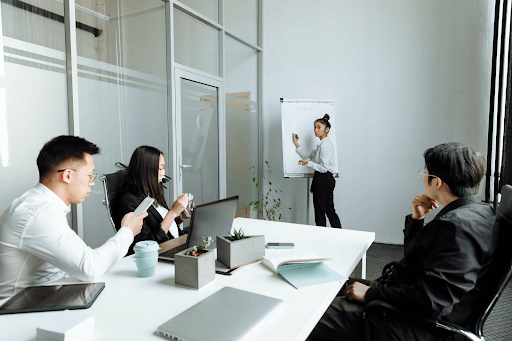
134,223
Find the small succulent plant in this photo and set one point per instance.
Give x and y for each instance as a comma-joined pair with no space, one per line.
237,235
206,242
200,249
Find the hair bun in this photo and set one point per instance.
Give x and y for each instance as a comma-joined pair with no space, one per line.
326,117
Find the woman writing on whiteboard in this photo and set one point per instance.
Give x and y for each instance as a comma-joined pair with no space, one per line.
322,161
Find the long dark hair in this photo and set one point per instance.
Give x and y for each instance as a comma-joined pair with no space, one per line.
325,121
142,175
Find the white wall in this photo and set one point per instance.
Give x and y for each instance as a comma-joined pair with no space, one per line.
406,75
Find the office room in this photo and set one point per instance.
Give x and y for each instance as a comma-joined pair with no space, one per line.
404,76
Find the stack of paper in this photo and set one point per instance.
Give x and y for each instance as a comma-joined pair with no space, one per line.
71,325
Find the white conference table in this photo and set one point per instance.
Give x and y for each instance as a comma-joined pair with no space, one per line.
131,307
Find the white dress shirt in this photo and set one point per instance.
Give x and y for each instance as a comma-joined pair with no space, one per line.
322,158
163,212
37,246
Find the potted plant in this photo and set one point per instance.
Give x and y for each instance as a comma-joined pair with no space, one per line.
195,267
270,204
238,249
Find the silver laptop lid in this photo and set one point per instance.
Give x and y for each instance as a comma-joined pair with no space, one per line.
227,315
212,219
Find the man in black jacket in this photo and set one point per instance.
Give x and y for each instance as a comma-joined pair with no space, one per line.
444,261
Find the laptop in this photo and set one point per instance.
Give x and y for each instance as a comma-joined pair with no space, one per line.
229,314
212,219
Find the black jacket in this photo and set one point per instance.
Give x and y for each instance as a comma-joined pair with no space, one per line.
151,229
444,264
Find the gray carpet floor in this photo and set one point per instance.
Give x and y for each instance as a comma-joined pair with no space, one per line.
498,326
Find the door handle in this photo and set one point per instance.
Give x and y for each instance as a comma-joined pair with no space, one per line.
183,166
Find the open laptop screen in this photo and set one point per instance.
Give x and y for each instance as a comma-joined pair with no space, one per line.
212,219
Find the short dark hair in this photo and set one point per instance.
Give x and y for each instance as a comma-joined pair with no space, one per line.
325,120
63,148
459,166
142,174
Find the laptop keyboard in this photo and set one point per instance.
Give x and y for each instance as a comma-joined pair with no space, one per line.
170,253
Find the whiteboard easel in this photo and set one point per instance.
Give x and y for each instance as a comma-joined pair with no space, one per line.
298,116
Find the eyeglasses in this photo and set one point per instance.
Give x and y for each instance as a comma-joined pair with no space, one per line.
421,175
92,176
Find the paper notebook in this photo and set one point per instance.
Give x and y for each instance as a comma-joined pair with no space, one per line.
302,269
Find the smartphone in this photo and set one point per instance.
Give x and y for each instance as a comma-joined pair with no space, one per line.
280,245
143,207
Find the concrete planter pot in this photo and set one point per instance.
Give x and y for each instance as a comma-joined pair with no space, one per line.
194,272
239,252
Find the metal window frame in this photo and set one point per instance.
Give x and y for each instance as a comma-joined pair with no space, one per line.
72,75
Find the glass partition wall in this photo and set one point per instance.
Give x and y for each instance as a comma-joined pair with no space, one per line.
33,94
128,55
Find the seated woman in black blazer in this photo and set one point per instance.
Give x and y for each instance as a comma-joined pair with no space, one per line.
144,178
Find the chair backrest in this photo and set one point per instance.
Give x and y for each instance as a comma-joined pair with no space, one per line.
113,188
500,269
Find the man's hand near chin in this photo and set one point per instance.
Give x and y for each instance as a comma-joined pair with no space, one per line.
421,205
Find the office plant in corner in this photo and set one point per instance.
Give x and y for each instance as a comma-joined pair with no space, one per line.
237,249
270,205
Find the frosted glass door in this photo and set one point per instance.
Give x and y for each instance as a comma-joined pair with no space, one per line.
201,138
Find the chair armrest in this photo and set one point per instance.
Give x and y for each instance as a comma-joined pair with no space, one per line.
383,306
458,330
388,266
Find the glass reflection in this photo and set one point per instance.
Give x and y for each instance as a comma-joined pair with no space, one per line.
200,141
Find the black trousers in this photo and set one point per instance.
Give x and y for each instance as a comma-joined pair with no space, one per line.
343,320
322,188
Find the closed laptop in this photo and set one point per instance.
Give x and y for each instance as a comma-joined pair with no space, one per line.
229,314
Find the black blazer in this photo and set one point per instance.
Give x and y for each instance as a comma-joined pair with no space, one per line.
151,229
445,262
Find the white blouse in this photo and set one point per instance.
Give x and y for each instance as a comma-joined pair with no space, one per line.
163,212
322,158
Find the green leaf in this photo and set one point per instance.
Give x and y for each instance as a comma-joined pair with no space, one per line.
270,183
253,179
266,203
266,162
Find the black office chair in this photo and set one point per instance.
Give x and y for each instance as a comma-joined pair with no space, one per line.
495,282
113,188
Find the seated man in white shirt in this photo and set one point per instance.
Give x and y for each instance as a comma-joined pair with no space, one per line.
37,246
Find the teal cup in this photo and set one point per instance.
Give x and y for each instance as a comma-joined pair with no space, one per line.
146,257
